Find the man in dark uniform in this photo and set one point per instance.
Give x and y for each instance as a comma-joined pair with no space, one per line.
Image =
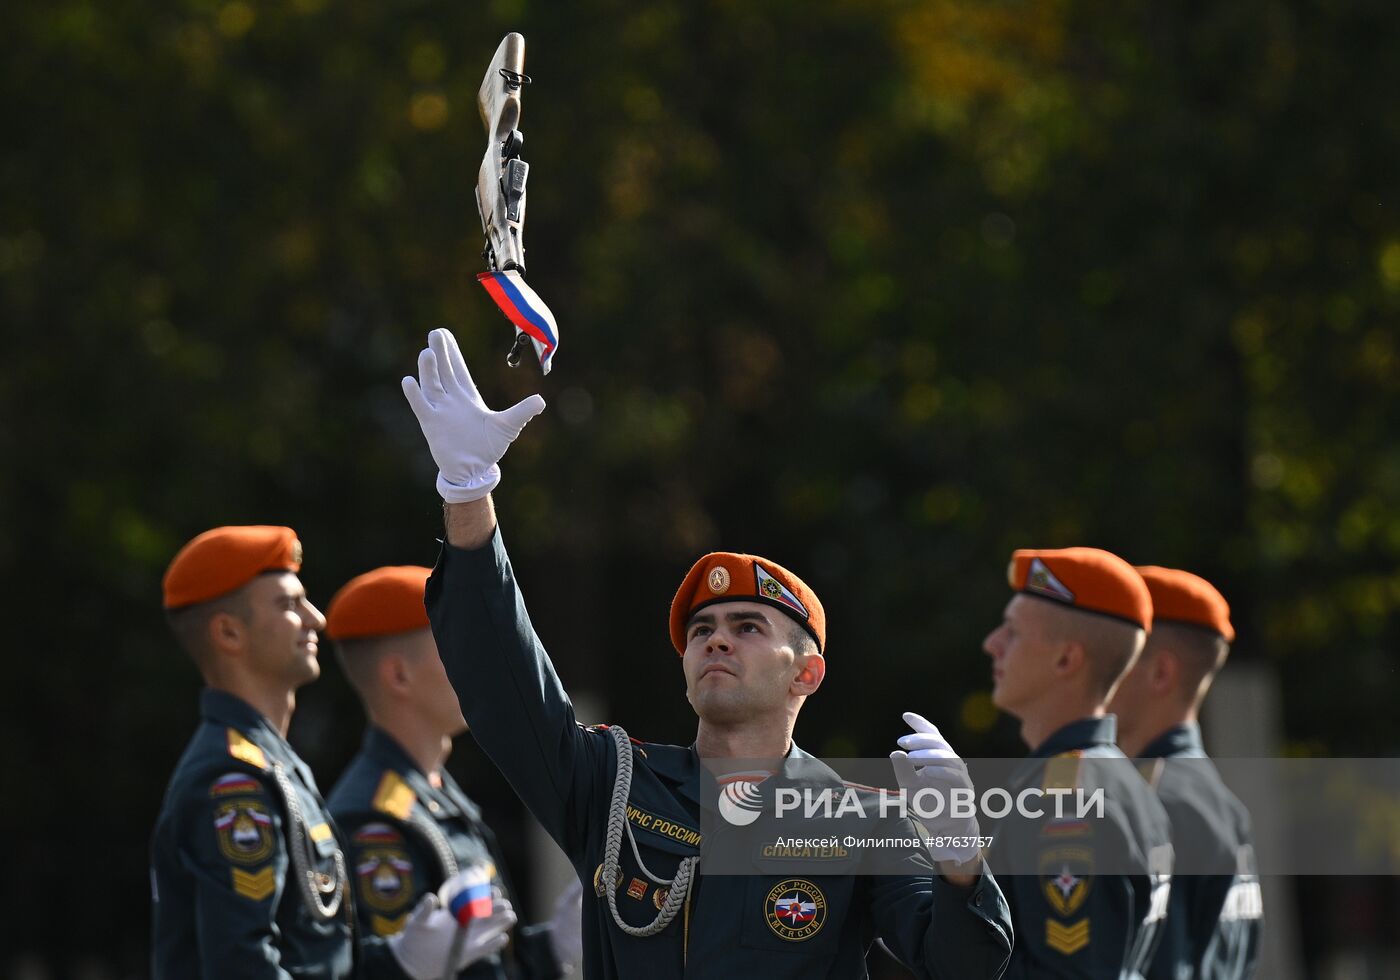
247,878
1087,894
1213,919
626,812
408,826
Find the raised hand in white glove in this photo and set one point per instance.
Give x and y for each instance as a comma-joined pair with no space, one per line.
429,947
925,760
466,438
566,924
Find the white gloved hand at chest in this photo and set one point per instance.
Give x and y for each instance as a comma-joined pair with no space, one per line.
429,946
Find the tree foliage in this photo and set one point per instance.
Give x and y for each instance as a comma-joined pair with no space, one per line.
881,289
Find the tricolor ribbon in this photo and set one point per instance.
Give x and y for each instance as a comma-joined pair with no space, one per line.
473,899
526,310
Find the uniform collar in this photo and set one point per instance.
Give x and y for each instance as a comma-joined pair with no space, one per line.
384,751
1182,741
681,766
677,765
230,711
1082,734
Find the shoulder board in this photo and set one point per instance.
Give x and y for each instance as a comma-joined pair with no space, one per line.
1062,771
245,751
860,786
394,796
604,728
1151,770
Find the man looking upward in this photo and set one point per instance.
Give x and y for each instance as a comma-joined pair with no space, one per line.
751,637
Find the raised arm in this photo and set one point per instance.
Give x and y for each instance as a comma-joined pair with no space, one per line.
510,694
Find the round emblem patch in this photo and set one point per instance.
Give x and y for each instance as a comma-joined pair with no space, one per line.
772,589
718,580
245,831
598,881
658,897
386,878
795,909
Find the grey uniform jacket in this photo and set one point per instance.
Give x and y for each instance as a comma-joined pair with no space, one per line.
564,773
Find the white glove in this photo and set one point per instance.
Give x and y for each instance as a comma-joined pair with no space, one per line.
429,946
566,925
929,762
466,438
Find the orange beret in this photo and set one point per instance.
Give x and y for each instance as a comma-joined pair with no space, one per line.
1181,597
726,577
379,603
227,558
1085,578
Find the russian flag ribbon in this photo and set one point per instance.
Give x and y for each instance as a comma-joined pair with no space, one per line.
523,307
473,899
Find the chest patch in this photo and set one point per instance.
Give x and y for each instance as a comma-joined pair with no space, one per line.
795,909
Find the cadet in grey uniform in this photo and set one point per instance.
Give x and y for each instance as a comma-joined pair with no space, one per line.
1214,920
408,826
247,876
627,812
1087,895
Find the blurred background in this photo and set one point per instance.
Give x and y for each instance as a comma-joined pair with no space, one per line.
881,289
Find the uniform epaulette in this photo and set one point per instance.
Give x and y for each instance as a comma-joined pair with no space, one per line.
245,751
1151,770
1062,771
860,786
603,728
394,796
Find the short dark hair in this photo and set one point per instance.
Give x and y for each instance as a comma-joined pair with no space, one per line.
1110,644
1201,652
799,639
358,658
190,624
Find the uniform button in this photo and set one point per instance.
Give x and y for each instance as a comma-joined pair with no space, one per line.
433,807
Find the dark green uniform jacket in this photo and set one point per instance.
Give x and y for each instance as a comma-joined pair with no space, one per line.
1213,922
524,721
228,900
1073,920
405,837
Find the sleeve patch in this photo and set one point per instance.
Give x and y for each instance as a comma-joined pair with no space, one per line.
236,784
1062,771
385,874
256,885
377,833
387,927
1065,878
244,828
1067,939
394,796
240,748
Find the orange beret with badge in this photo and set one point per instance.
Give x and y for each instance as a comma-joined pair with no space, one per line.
1087,579
227,558
724,576
1180,597
379,603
